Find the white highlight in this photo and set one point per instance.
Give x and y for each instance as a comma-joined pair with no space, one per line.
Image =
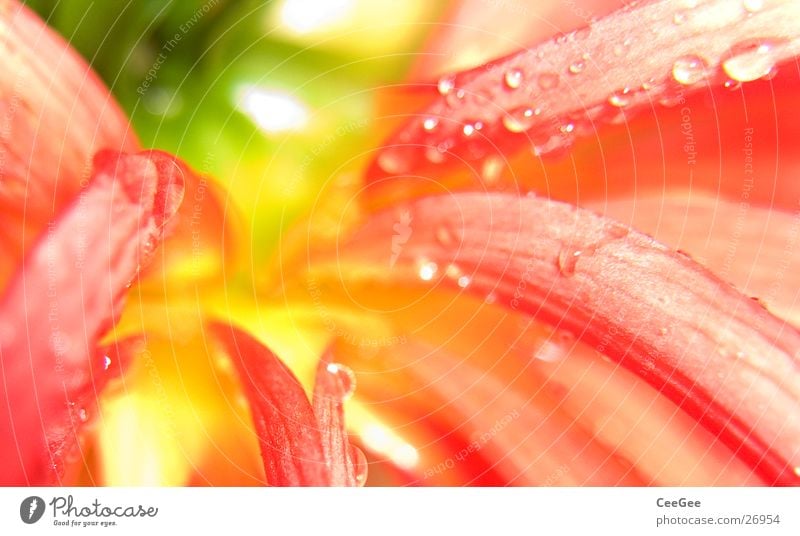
271,110
304,16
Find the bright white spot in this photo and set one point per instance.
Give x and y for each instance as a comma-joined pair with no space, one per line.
304,16
272,111
333,368
106,362
427,271
464,281
381,439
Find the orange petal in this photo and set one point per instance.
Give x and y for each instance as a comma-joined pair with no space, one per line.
679,328
67,294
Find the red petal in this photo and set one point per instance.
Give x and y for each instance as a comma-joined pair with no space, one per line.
69,291
752,247
468,36
717,354
56,115
563,105
291,443
333,384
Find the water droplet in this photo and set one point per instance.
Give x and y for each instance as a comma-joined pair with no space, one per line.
679,18
548,80
750,61
430,123
567,128
446,84
689,70
567,260
82,414
434,155
491,169
464,281
519,120
345,376
549,352
733,85
445,236
620,98
393,160
106,362
513,78
490,298
452,271
427,270
468,129
753,6
797,470
360,465
577,66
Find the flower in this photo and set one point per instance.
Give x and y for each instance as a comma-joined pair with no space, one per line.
506,314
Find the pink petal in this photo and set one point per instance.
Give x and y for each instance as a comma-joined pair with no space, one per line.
333,384
68,292
56,115
717,354
291,441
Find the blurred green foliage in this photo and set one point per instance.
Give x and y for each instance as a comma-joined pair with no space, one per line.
176,66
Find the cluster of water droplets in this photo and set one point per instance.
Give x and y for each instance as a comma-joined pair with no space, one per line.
552,134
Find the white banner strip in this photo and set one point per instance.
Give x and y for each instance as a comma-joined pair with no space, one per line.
400,511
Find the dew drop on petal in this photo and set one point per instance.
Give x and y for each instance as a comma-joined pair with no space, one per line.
83,415
689,70
427,270
577,66
464,281
513,78
548,80
567,260
750,62
468,129
620,98
733,85
360,465
393,161
430,123
519,120
445,236
753,6
549,352
345,376
106,362
446,84
567,128
492,169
